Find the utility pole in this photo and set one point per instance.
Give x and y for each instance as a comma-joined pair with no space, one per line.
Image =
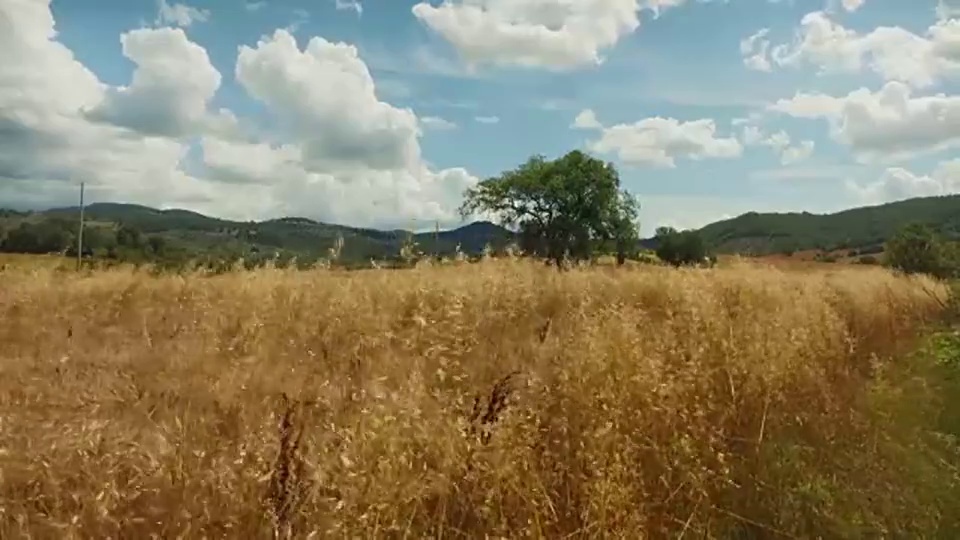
80,231
436,240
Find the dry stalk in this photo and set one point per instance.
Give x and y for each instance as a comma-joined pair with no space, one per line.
288,483
487,412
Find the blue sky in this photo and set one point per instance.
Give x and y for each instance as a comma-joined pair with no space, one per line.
380,112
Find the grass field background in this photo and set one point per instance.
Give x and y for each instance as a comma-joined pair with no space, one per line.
499,398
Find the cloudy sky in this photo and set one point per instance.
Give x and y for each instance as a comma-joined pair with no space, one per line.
381,112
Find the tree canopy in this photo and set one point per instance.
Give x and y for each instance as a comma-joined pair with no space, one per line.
680,248
566,207
917,249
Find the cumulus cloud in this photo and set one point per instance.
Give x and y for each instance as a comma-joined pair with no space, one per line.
49,144
340,153
358,155
555,34
659,142
487,119
550,34
180,14
898,184
888,124
172,84
326,96
894,53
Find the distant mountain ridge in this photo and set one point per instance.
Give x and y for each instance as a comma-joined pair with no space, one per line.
297,234
864,228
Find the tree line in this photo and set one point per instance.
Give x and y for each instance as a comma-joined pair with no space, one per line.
58,235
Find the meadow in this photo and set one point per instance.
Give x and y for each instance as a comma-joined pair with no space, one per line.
498,399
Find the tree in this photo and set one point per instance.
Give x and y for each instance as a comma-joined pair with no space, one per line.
157,244
680,248
44,237
916,249
129,237
562,208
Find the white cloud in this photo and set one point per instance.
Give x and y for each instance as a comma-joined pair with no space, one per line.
350,5
587,119
554,34
780,142
549,34
359,157
326,96
49,144
659,141
343,154
487,119
755,51
180,14
254,6
898,184
285,183
172,85
894,53
889,124
852,5
437,123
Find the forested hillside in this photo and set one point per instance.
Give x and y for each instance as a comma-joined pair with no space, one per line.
865,228
125,230
120,228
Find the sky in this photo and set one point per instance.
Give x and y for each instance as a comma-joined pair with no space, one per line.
380,113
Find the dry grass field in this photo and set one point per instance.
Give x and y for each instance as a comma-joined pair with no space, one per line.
500,399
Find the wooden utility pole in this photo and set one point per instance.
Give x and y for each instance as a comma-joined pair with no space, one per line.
80,231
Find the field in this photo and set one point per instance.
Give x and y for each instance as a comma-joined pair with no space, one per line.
500,399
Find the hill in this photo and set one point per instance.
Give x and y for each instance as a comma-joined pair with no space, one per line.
864,229
305,238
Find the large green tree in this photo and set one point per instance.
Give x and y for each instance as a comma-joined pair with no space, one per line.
562,208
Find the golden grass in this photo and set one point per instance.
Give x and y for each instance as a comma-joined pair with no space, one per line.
500,399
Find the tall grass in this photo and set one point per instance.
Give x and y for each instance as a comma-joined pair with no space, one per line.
499,399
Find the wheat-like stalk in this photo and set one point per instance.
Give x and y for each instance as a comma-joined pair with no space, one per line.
497,399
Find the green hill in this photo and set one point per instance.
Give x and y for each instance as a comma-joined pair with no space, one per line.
865,228
188,231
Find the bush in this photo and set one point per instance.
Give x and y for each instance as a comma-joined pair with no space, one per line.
917,249
680,248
